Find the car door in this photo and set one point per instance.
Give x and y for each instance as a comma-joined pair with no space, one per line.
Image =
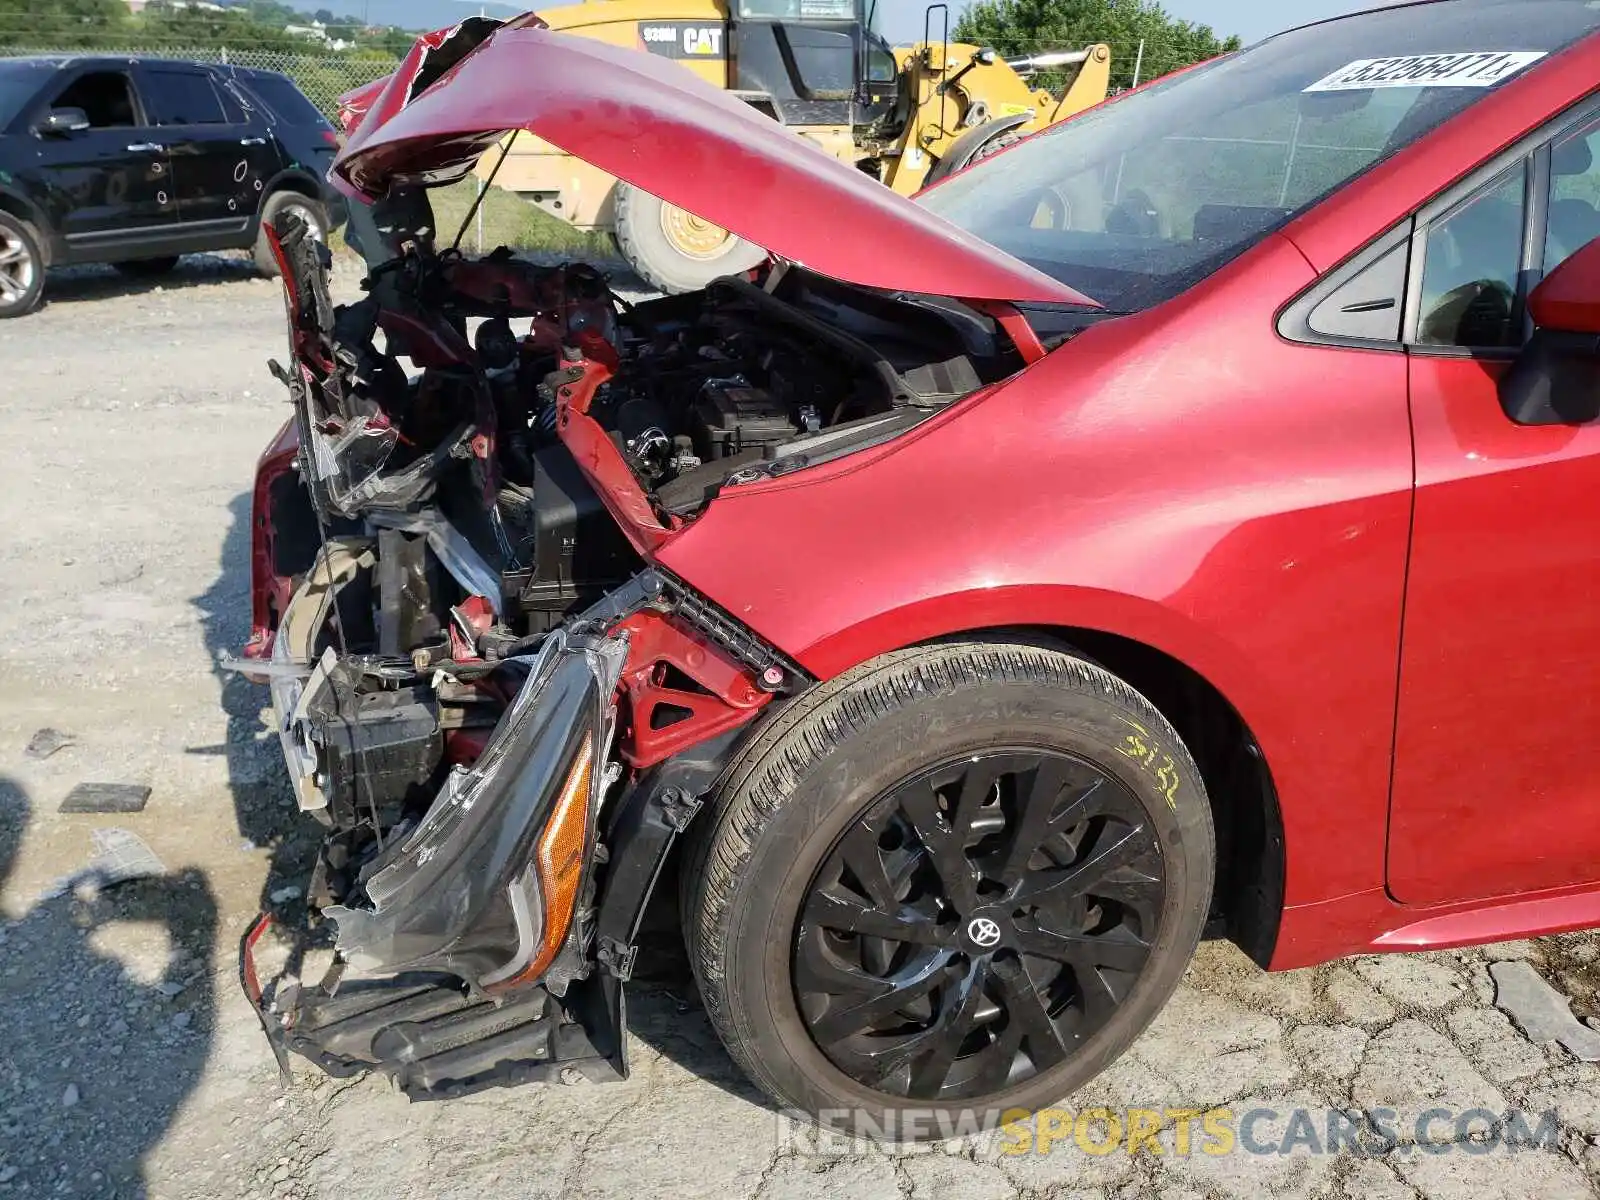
220,159
108,185
1495,790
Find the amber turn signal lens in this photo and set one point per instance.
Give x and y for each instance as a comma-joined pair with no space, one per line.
558,859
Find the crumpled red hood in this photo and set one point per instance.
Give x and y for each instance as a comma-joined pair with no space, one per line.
655,125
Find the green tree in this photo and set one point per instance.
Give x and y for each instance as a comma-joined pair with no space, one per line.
268,12
1016,27
69,24
165,24
395,43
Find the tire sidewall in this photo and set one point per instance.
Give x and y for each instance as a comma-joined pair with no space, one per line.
833,793
30,240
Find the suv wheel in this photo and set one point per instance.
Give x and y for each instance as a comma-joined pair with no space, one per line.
21,267
277,204
956,881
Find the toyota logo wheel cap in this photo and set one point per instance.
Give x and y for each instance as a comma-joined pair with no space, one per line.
983,932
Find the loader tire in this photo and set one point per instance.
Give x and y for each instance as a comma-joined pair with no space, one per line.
673,250
973,146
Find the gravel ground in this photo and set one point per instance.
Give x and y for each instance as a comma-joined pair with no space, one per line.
130,1064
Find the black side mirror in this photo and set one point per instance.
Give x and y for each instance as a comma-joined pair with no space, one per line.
62,121
1556,379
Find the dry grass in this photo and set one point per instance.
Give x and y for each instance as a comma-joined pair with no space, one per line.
511,221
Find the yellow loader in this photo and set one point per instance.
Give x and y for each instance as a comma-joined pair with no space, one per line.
906,115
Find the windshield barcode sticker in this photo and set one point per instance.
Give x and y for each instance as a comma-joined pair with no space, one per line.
1480,70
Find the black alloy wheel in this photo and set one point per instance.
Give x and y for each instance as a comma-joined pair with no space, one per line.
978,924
957,880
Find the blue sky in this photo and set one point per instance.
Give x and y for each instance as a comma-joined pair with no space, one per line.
901,19
1253,19
1250,19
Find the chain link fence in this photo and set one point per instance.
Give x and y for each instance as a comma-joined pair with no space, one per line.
323,78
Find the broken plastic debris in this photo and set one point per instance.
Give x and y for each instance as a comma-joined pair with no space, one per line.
119,855
285,894
106,798
46,742
263,668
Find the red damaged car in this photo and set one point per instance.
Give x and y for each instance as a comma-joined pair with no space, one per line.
1183,520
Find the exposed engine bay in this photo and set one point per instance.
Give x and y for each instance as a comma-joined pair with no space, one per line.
499,708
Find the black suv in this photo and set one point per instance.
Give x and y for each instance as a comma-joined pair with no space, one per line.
136,161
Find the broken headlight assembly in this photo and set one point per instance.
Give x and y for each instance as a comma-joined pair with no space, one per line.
485,886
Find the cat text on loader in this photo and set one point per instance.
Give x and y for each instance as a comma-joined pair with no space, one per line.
906,115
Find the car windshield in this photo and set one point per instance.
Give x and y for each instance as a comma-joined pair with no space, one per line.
1139,199
19,83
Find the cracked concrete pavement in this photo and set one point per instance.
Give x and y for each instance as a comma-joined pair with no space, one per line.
131,1065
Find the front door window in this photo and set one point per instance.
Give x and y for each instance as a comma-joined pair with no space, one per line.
1574,219
106,98
1471,280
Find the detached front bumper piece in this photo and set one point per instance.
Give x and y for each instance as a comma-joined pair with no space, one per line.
438,1042
451,976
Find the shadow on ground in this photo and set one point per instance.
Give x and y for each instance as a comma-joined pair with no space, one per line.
664,1008
68,285
107,1014
263,800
